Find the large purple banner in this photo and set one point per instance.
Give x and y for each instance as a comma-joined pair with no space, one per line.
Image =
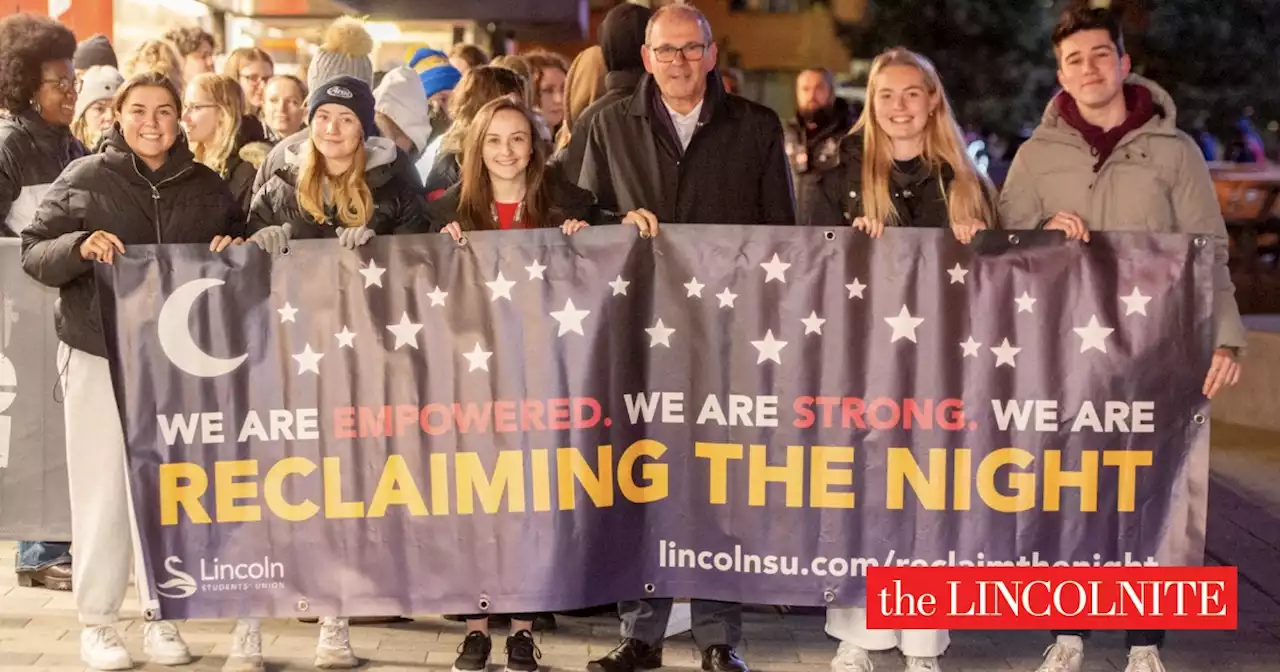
532,421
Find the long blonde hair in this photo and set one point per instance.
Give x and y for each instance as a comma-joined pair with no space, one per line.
226,94
968,195
155,56
348,192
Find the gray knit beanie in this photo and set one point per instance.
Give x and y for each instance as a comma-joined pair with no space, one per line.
345,52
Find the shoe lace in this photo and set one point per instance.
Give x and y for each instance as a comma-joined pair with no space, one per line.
1145,661
915,664
165,632
107,636
1056,657
333,633
473,643
854,659
522,643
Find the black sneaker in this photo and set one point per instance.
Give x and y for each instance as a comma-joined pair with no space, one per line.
522,653
473,653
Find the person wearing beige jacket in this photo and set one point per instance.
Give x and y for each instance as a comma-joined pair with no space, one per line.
1108,157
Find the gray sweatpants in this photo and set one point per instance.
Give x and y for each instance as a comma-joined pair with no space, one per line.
714,623
103,526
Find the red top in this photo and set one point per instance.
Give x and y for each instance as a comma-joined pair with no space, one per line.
507,215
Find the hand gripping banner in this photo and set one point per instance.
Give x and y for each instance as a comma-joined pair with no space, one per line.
538,422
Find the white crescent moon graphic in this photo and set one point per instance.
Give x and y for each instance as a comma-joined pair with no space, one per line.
175,337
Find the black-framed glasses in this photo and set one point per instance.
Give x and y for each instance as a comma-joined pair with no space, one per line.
196,107
64,84
690,52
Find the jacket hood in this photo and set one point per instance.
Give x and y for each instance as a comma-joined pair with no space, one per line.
1054,127
379,152
121,155
401,97
621,36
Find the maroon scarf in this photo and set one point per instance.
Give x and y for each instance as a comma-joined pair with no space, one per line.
1141,108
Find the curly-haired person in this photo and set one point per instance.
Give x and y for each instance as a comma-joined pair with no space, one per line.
196,47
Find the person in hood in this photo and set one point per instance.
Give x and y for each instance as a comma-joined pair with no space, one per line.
221,136
345,53
143,188
477,88
401,110
96,50
813,144
1108,157
284,107
94,114
621,37
905,166
38,88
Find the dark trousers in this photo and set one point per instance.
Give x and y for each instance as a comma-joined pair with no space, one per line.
1131,637
714,623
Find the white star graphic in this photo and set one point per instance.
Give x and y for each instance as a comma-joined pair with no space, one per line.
1025,303
308,360
570,318
406,332
775,270
1093,336
346,339
970,347
770,349
727,298
437,296
535,270
372,274
1135,303
477,359
957,274
1005,354
660,334
694,287
620,286
855,288
813,324
501,288
288,314
904,326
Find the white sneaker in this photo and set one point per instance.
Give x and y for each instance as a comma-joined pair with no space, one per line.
851,658
1144,659
333,652
1062,658
102,649
163,645
915,664
246,648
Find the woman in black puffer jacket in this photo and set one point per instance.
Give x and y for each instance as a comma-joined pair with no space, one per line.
143,188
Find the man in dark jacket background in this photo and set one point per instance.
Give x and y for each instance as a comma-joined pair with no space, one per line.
621,38
688,152
813,145
680,146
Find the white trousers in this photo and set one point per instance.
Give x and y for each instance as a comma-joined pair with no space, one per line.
849,624
104,530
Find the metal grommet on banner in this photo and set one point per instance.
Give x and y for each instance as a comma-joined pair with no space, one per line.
462,242
284,251
828,596
829,235
1201,241
650,588
484,603
1013,238
150,615
1199,418
304,605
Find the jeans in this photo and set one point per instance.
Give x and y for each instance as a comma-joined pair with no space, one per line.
1131,637
34,556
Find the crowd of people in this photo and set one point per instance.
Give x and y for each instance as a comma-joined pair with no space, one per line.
641,130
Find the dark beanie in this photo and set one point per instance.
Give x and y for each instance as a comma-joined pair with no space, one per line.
351,93
94,51
621,36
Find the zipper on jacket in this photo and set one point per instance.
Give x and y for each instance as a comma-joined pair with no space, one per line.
155,194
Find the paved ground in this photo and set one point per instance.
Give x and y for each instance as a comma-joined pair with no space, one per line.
39,631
